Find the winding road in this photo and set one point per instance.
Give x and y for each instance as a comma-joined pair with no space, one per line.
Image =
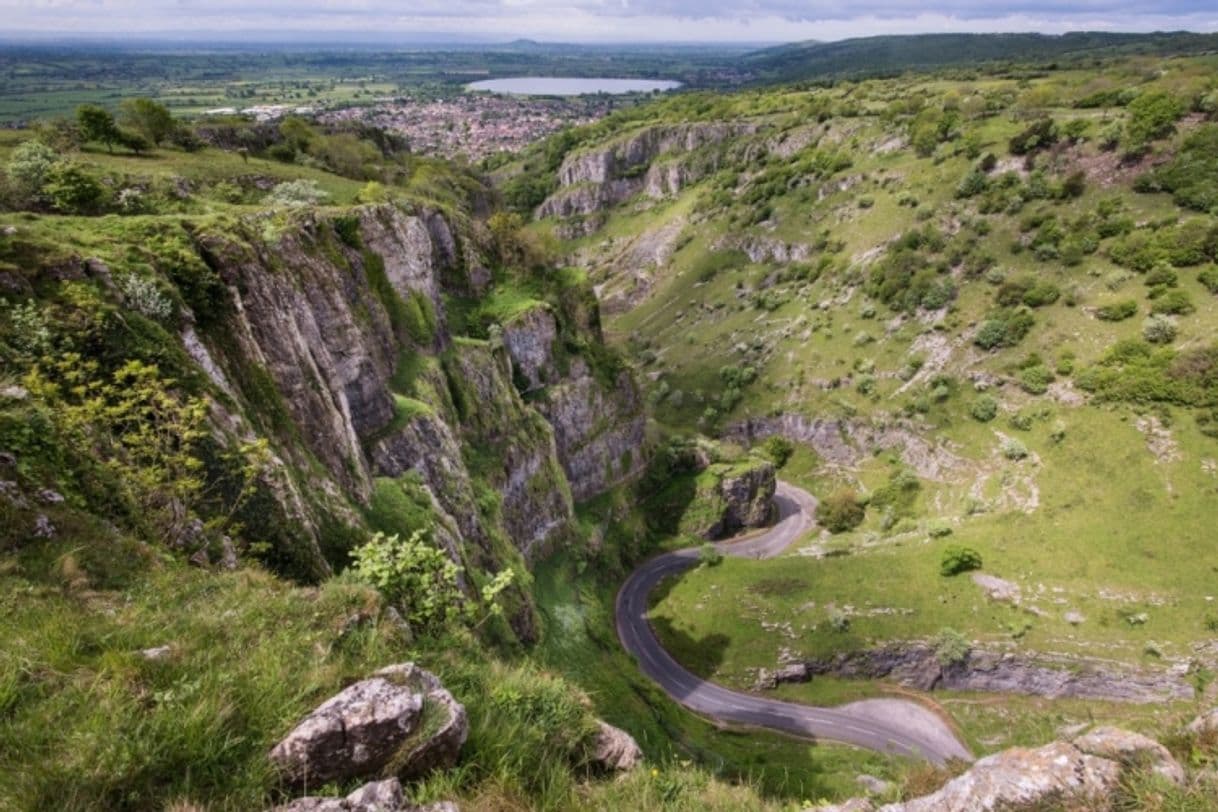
895,726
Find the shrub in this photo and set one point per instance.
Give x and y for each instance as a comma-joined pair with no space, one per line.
1209,278
709,555
414,575
1117,311
1159,329
839,621
957,559
1174,303
1189,175
1044,293
72,190
142,295
29,166
951,647
841,511
779,449
297,193
984,409
1005,328
1012,449
1152,115
1035,380
1037,136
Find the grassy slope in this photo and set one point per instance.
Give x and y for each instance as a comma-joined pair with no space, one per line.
1118,529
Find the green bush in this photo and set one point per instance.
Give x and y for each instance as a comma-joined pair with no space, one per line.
1004,328
1209,278
984,409
1117,311
1189,176
841,511
709,555
951,647
1173,303
1159,329
778,449
1014,450
1035,380
957,559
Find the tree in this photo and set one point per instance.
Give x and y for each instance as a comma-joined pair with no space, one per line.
96,124
841,511
1152,115
148,118
29,166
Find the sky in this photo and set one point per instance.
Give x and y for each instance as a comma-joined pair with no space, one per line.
589,20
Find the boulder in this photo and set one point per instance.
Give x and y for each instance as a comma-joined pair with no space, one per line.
399,721
1131,750
439,743
1205,723
354,733
1022,779
997,589
615,749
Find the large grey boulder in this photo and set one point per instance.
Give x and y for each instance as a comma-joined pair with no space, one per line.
354,733
400,721
615,749
1131,750
1205,723
439,743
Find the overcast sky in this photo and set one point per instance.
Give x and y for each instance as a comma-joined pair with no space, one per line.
594,20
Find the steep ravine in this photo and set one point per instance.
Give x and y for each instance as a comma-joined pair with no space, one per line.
335,341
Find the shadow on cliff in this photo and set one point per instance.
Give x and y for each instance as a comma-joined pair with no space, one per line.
666,506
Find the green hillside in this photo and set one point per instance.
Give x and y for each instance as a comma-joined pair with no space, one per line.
983,312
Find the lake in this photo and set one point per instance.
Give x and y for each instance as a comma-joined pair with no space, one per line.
555,86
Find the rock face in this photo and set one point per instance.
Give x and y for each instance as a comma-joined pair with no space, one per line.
607,175
312,350
400,720
917,665
615,749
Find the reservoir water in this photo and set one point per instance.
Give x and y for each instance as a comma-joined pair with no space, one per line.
557,86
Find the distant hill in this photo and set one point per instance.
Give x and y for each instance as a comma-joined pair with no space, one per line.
894,54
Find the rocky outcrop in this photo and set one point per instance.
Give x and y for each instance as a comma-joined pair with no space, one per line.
324,313
606,175
917,665
529,338
599,431
1083,773
730,497
378,796
1022,778
1131,750
400,720
615,749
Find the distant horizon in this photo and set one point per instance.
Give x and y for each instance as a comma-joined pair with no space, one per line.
579,22
355,39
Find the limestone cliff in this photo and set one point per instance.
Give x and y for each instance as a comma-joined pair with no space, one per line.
606,175
335,342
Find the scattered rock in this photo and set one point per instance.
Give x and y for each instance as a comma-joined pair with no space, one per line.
43,529
50,497
615,749
1205,723
228,554
14,392
200,558
873,785
996,588
1074,618
1132,750
157,653
852,805
795,672
378,796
